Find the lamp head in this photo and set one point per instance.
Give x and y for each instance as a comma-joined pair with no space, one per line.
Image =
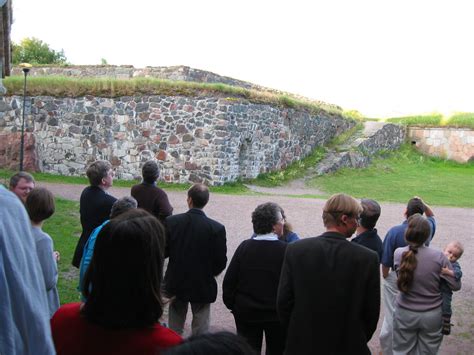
25,67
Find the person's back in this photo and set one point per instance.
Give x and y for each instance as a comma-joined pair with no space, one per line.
24,315
329,292
122,289
424,293
196,247
328,314
149,196
196,283
94,204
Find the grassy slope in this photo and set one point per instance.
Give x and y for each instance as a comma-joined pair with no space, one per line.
405,174
64,227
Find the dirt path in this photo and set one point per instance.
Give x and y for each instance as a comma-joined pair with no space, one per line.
305,214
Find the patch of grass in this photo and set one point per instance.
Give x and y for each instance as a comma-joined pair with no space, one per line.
295,170
109,87
434,119
404,174
65,228
461,119
343,137
228,188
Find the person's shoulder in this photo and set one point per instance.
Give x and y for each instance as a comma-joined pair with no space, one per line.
396,229
40,236
166,336
361,250
66,311
400,250
136,187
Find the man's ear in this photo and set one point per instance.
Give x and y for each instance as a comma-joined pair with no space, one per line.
344,218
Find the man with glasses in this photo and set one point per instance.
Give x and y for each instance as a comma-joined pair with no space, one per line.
329,292
95,203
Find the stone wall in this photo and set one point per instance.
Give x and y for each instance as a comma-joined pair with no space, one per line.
450,143
205,139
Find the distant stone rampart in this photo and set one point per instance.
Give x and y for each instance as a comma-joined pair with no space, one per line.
444,142
174,73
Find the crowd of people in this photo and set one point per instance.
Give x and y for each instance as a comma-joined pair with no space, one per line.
302,295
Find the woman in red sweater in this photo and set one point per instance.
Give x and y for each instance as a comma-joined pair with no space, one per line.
122,287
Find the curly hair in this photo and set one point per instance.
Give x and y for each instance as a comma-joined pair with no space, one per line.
265,217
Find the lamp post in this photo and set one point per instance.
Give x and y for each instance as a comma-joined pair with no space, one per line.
26,69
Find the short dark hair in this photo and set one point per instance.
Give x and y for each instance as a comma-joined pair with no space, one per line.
370,213
199,194
150,171
97,171
15,179
123,282
40,204
212,344
123,205
264,217
415,205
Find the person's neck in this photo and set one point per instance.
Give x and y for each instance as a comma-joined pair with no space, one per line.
361,230
336,229
39,224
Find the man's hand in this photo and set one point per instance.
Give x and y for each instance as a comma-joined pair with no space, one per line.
56,255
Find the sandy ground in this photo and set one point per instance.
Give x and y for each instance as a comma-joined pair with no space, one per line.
305,215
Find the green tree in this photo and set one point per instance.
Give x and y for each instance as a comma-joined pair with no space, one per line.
35,51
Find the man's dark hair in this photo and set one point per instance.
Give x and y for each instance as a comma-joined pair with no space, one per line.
40,204
265,217
150,172
370,214
123,282
212,344
122,205
199,194
97,171
415,205
21,175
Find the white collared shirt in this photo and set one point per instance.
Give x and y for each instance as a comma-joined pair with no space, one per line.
269,236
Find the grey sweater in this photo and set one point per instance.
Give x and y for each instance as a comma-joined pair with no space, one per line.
424,293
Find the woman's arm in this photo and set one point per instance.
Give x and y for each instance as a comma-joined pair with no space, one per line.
453,284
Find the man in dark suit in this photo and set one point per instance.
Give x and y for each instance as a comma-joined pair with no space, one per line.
95,204
329,292
197,253
366,232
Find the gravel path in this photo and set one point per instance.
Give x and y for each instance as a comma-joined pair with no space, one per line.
305,214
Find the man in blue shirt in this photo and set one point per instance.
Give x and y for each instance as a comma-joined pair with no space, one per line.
394,239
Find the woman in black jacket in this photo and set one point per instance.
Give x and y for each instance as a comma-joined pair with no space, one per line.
251,281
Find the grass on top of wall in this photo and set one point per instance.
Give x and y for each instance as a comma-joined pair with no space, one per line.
457,120
404,174
60,86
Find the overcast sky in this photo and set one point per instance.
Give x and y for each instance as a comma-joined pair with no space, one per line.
383,58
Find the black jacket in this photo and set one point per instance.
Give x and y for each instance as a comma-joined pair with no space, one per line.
94,207
370,239
251,281
329,296
196,247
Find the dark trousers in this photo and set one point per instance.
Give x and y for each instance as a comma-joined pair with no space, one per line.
275,336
